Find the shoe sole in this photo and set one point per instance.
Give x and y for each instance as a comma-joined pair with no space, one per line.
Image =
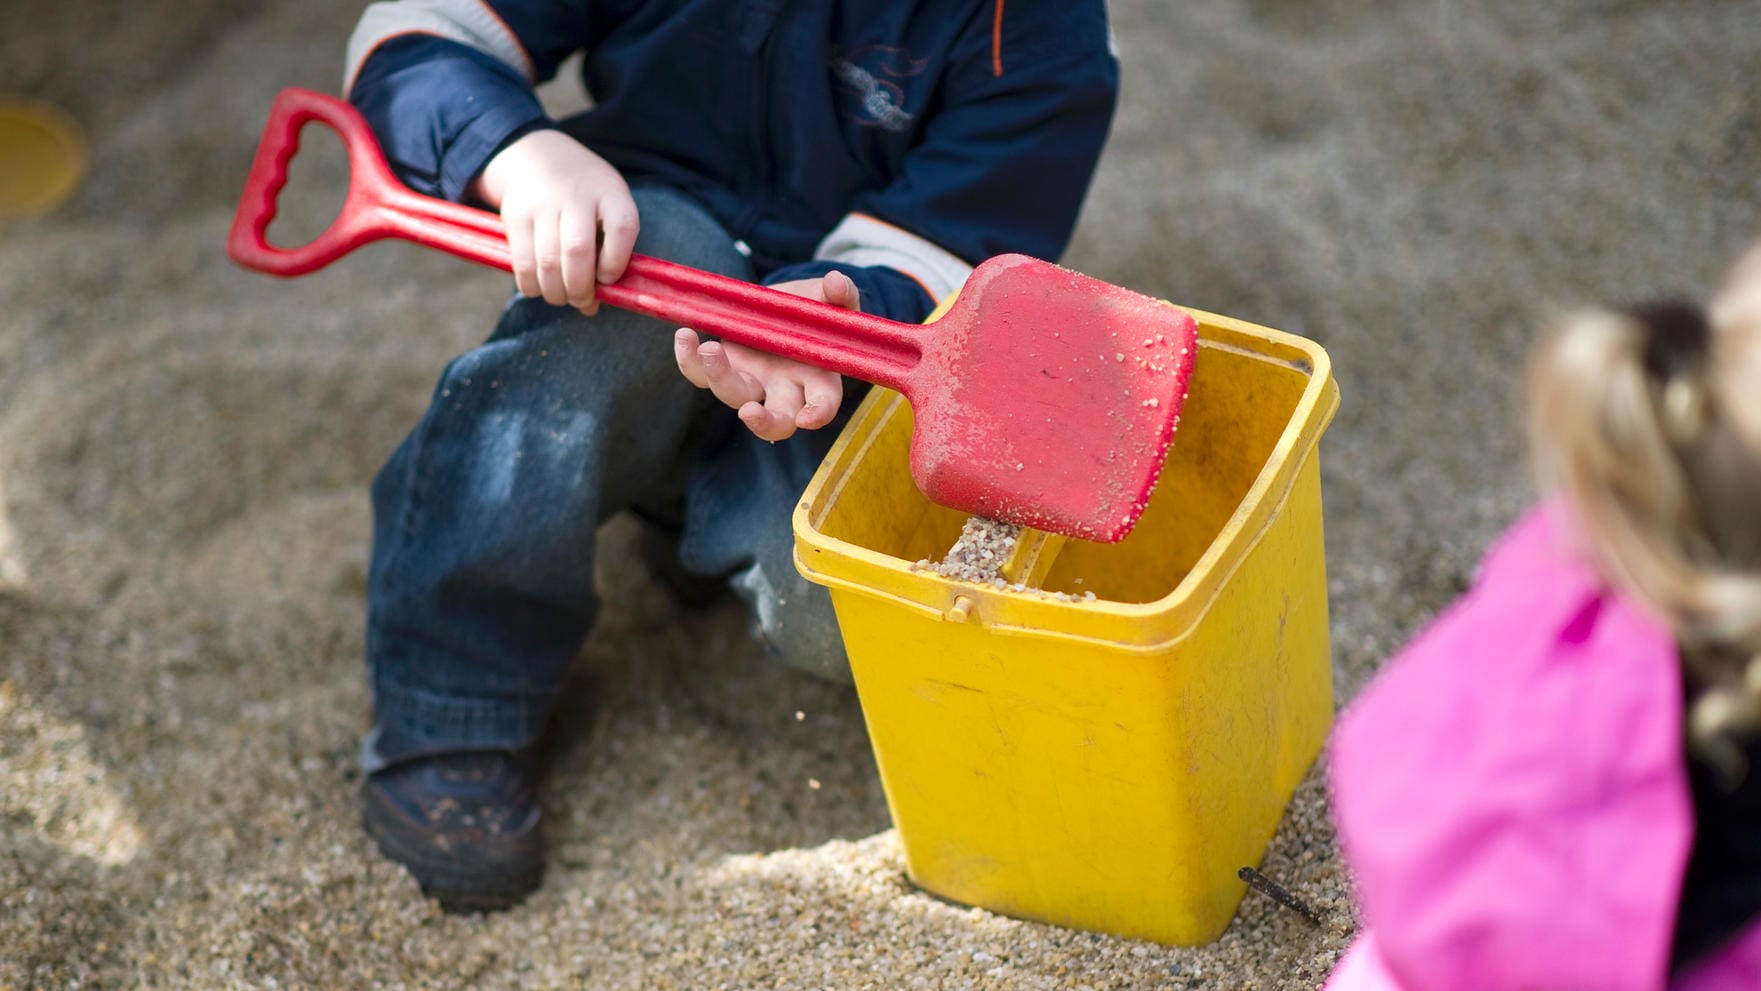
457,890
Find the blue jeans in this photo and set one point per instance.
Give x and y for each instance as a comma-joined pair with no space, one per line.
481,590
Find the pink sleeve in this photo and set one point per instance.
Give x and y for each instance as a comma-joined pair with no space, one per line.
1510,793
1362,969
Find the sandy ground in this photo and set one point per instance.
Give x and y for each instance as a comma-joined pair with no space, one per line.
185,449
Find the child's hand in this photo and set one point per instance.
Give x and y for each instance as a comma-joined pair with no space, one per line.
775,396
555,198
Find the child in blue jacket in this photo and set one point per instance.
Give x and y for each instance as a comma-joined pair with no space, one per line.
861,152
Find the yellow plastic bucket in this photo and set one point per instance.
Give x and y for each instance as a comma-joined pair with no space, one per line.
1110,763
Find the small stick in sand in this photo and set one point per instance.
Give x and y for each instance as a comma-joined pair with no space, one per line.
1266,886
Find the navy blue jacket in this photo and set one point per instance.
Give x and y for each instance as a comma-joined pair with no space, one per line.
900,142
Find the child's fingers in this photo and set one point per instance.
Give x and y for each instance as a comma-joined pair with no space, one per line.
618,218
519,235
730,385
790,396
547,258
766,424
685,353
578,246
839,290
824,393
783,398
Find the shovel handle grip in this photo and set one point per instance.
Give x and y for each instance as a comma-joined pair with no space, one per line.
379,206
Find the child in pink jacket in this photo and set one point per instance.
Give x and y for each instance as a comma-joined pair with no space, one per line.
1558,785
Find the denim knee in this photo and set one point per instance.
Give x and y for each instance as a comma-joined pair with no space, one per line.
481,586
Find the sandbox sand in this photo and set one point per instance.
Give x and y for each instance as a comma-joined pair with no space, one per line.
185,450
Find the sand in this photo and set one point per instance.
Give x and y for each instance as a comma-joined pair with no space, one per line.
979,555
185,450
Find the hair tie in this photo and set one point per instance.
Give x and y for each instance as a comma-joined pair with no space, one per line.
1677,338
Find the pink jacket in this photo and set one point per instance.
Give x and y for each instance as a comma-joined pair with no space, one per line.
1512,797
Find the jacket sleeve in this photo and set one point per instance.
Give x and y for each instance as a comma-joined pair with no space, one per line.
1509,792
1003,163
446,84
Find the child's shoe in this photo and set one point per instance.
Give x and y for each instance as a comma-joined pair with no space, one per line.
464,824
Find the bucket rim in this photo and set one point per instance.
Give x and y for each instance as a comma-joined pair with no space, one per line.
1134,625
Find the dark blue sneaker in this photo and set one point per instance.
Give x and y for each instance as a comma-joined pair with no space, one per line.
464,824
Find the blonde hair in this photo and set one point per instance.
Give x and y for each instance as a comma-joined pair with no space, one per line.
1648,422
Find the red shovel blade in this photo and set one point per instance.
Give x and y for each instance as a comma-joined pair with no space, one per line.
1049,399
1042,397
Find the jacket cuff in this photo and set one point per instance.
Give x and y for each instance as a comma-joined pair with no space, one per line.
479,142
882,291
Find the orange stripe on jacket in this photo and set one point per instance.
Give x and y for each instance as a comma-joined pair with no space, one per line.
349,83
913,276
927,291
531,70
889,224
997,41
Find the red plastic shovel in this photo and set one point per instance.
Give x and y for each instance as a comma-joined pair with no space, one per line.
1042,397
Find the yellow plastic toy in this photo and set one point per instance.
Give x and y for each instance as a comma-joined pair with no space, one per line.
41,158
1105,763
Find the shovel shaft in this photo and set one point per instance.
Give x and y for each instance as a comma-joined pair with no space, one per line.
860,345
